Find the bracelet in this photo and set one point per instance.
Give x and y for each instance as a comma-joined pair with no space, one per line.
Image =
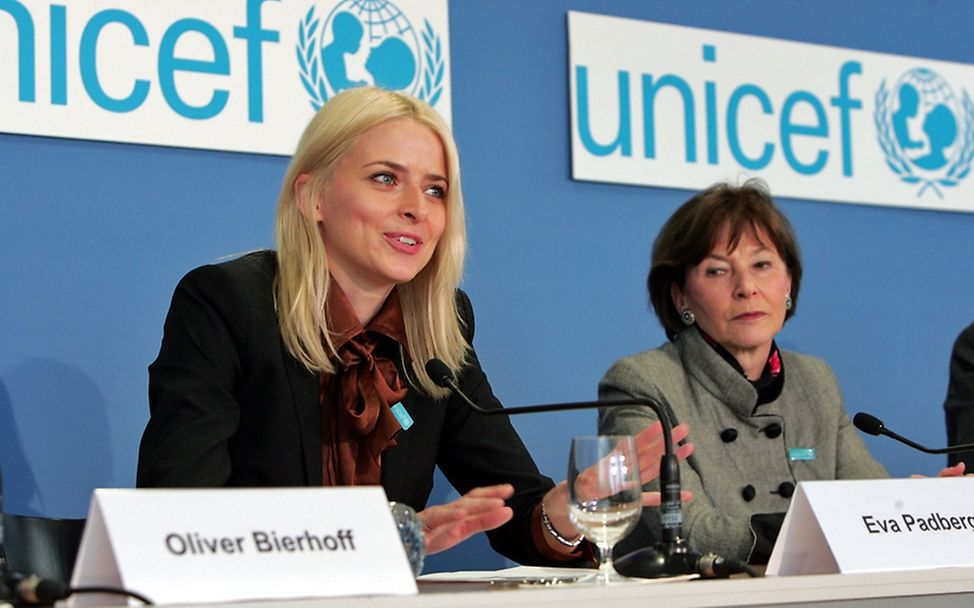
554,533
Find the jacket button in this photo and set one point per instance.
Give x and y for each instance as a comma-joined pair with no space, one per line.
748,493
786,489
728,435
772,430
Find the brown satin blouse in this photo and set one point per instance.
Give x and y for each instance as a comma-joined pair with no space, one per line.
357,424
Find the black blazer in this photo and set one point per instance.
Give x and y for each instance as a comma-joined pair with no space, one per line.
229,406
959,406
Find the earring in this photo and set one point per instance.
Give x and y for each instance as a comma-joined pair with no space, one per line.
687,317
788,302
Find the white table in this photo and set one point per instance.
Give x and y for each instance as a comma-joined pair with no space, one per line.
948,587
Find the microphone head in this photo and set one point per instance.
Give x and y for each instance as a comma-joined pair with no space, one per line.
49,591
439,373
868,423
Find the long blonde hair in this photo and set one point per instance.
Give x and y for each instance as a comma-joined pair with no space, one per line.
428,301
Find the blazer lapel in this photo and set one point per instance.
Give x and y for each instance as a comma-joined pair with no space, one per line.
305,391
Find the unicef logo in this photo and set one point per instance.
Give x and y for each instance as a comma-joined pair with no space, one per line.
368,42
925,130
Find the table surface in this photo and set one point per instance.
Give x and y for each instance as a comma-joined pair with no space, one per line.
947,587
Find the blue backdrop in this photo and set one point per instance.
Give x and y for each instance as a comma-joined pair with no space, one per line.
95,236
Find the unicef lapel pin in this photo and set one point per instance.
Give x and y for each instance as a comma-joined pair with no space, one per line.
405,420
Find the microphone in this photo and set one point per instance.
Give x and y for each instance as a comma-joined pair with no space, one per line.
36,591
19,590
669,557
872,425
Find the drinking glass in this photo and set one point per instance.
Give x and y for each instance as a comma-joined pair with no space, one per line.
411,534
604,495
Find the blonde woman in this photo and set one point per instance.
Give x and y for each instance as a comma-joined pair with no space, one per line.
305,366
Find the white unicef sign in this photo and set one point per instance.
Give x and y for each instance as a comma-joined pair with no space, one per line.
240,75
682,107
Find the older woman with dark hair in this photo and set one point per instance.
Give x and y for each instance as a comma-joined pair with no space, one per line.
725,277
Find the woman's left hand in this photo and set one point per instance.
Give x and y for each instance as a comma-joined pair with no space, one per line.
478,510
955,471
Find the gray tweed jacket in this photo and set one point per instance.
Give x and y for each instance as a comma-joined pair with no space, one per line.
740,485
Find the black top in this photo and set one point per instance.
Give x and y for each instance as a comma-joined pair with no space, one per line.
231,407
959,406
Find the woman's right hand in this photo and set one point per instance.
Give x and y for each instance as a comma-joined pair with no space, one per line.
478,510
650,448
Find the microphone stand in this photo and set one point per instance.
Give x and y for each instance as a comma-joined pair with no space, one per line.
670,556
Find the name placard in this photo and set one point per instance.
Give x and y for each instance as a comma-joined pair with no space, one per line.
214,545
876,525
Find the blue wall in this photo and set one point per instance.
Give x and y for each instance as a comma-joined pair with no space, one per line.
94,237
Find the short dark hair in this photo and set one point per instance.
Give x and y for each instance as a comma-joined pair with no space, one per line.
690,234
